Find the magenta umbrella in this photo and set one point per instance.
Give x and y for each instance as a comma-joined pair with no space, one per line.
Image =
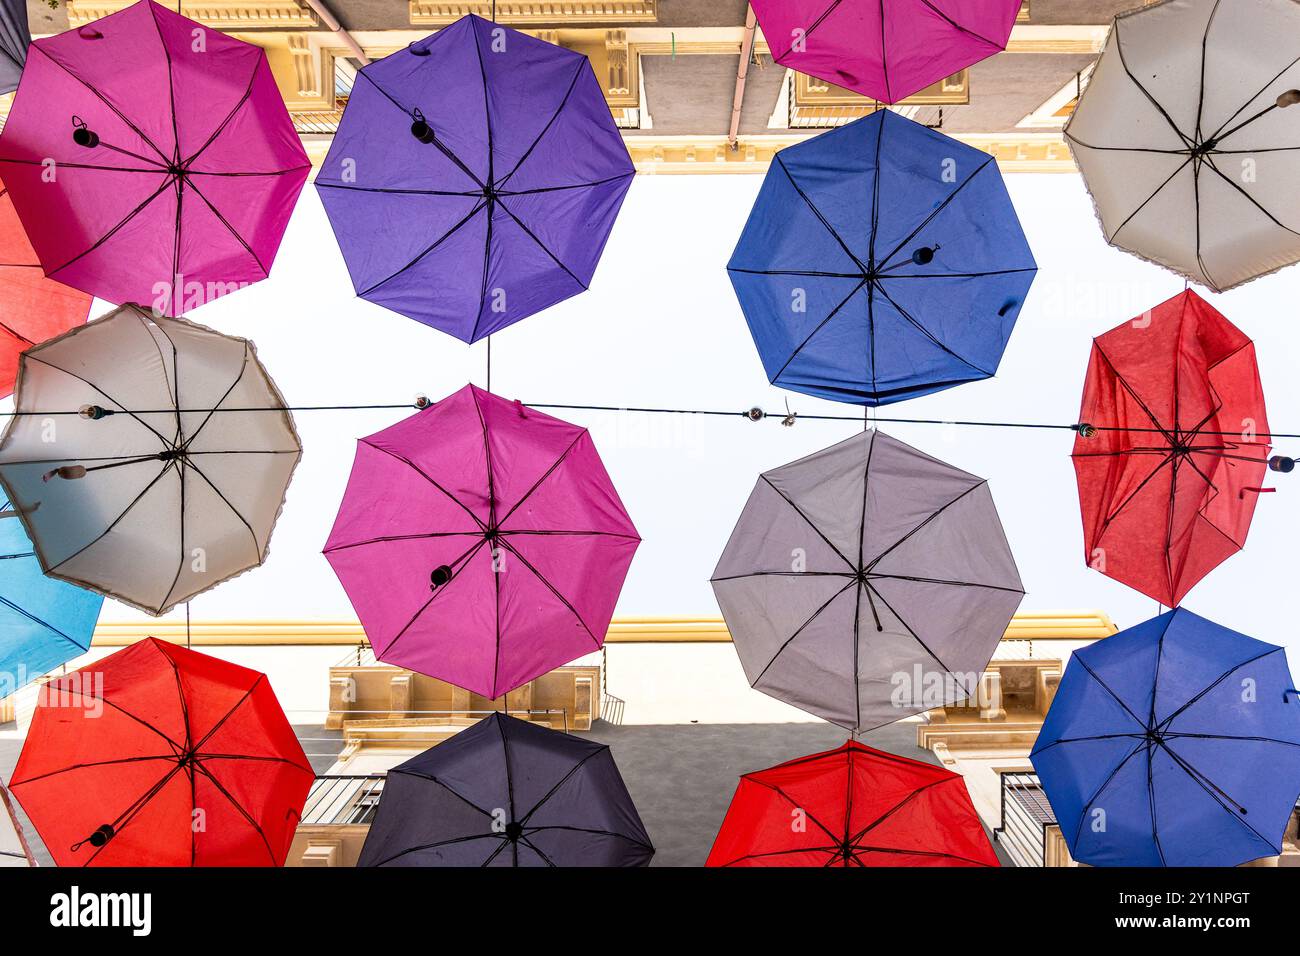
481,542
884,50
151,159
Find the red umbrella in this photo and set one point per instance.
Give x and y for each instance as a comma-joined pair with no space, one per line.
853,806
1179,445
162,756
32,307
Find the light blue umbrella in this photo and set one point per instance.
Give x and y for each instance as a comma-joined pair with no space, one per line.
43,622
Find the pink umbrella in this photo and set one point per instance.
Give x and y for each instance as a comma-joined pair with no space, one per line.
887,51
151,159
481,542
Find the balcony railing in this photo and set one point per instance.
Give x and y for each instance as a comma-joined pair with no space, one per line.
340,799
1026,817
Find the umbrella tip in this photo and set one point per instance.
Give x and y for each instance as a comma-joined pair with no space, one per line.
1281,463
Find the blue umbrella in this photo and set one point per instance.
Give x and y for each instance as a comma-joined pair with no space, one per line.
1174,743
881,261
14,38
44,622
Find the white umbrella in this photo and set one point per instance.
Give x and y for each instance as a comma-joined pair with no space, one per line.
170,478
1188,141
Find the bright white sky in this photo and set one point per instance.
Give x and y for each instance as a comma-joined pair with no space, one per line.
661,327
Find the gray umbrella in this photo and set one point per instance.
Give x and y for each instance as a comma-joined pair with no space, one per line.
14,37
867,582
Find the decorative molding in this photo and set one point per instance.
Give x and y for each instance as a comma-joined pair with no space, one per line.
306,65
439,13
1029,625
222,14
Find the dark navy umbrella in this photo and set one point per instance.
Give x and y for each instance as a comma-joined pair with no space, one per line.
44,622
14,38
506,792
881,261
1174,743
474,178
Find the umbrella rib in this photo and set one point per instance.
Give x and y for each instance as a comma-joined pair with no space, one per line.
127,816
809,521
884,54
928,853
952,275
23,612
257,546
487,263
556,189
815,24
783,574
112,232
221,127
1119,48
158,171
1253,201
934,514
797,272
426,477
478,206
491,477
1200,95
926,332
857,603
1219,795
88,765
1200,260
185,181
385,539
257,827
546,474
558,784
937,209
916,637
793,852
582,61
1126,149
958,26
455,793
185,445
1253,739
553,589
799,630
1219,134
1105,525
433,846
103,99
572,829
818,213
1083,813
1106,687
442,147
400,192
956,584
1075,740
895,808
171,87
1164,724
1143,204
134,501
534,848
541,245
1164,432
463,561
835,311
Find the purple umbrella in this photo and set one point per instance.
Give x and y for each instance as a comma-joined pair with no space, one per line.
474,178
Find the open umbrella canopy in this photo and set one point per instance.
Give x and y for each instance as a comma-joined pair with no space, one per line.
853,806
481,542
474,178
32,307
14,37
1168,484
151,159
43,622
506,792
867,582
170,479
886,51
1174,743
881,261
162,756
1188,140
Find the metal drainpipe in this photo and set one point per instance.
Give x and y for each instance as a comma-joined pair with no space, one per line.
746,54
329,20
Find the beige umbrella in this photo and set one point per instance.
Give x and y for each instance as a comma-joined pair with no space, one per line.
169,479
1188,139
